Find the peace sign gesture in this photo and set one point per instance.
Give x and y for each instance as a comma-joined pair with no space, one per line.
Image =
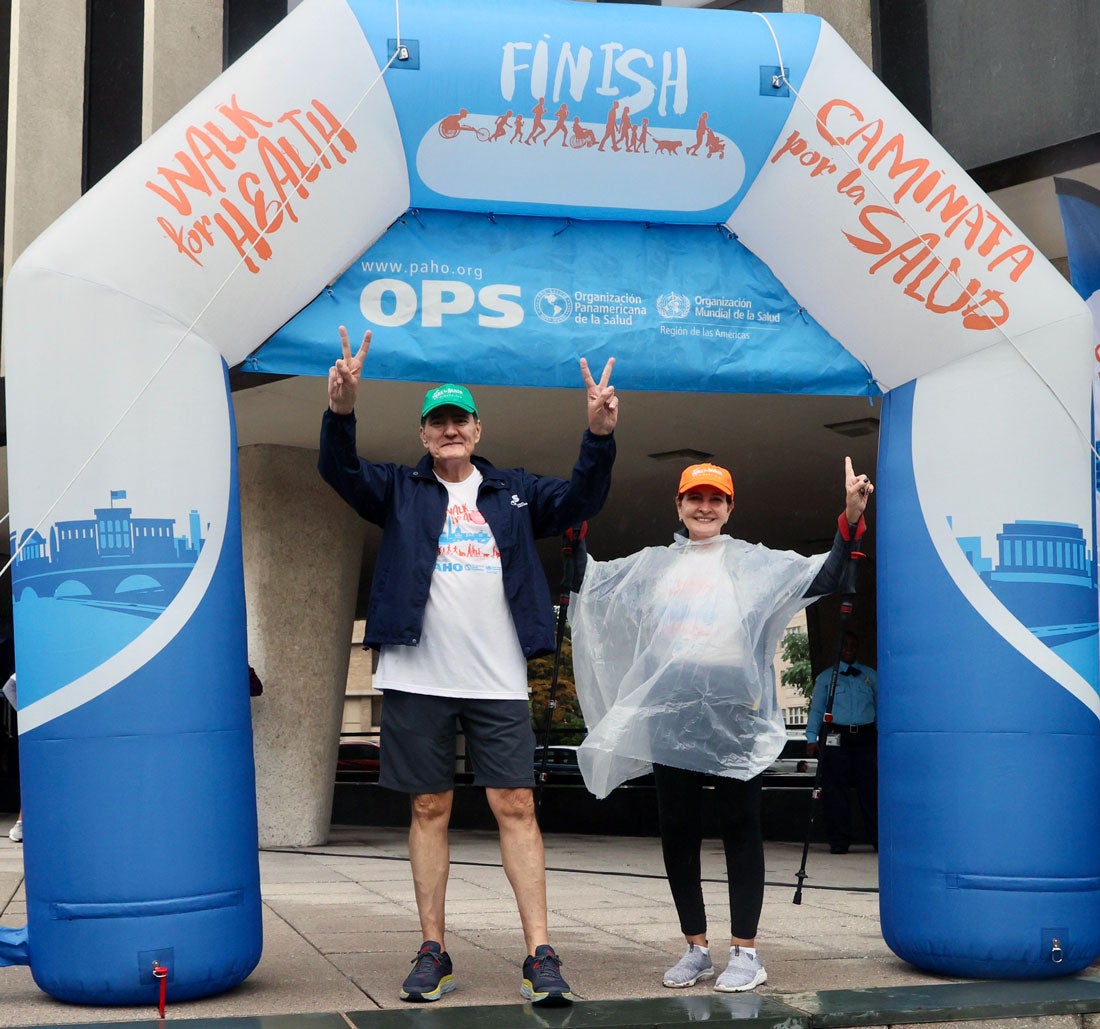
343,376
858,490
603,404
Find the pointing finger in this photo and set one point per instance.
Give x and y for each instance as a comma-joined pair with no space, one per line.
345,343
588,380
849,471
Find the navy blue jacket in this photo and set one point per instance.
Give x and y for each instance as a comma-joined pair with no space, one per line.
410,505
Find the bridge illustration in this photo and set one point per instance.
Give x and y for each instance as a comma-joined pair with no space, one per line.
111,560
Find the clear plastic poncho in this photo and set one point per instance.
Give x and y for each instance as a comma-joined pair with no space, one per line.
673,657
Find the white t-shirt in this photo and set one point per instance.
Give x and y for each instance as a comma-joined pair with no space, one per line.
468,646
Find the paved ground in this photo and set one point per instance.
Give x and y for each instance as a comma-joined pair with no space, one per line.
340,926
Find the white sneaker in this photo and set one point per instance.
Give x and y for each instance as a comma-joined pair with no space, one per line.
693,966
16,833
744,972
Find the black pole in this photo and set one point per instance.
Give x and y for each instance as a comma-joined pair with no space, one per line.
847,603
573,561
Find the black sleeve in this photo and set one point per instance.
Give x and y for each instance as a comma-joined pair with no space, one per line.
365,485
831,575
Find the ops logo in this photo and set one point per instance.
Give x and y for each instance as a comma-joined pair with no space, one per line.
553,305
395,302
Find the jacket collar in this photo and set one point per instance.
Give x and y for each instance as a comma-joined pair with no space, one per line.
489,474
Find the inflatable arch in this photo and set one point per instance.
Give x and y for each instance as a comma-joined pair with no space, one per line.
838,219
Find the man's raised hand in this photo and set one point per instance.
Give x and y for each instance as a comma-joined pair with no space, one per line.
343,376
603,404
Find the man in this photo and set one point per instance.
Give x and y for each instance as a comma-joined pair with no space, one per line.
850,755
458,604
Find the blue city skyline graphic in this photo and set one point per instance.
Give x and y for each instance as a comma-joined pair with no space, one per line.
1045,575
90,586
453,533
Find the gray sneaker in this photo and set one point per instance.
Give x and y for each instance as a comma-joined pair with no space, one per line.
744,972
693,966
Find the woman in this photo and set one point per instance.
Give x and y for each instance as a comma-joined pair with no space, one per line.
672,650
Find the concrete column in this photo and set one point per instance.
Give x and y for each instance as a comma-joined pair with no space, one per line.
850,18
45,118
302,555
182,55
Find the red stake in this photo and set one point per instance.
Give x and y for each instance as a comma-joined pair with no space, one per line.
161,973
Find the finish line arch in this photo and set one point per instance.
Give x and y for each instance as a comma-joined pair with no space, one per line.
691,165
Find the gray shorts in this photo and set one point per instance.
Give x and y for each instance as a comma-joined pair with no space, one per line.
418,742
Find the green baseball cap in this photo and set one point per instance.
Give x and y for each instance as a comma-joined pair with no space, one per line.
448,395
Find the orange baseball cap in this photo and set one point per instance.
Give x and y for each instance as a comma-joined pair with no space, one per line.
706,475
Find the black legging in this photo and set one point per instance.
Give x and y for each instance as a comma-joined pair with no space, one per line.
680,812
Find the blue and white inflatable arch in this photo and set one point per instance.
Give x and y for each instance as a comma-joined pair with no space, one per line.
732,196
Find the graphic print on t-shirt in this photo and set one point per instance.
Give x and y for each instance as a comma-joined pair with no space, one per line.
466,544
468,645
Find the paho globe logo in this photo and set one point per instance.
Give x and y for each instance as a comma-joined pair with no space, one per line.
673,305
553,305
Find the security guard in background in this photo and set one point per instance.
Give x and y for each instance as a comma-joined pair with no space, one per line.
849,758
